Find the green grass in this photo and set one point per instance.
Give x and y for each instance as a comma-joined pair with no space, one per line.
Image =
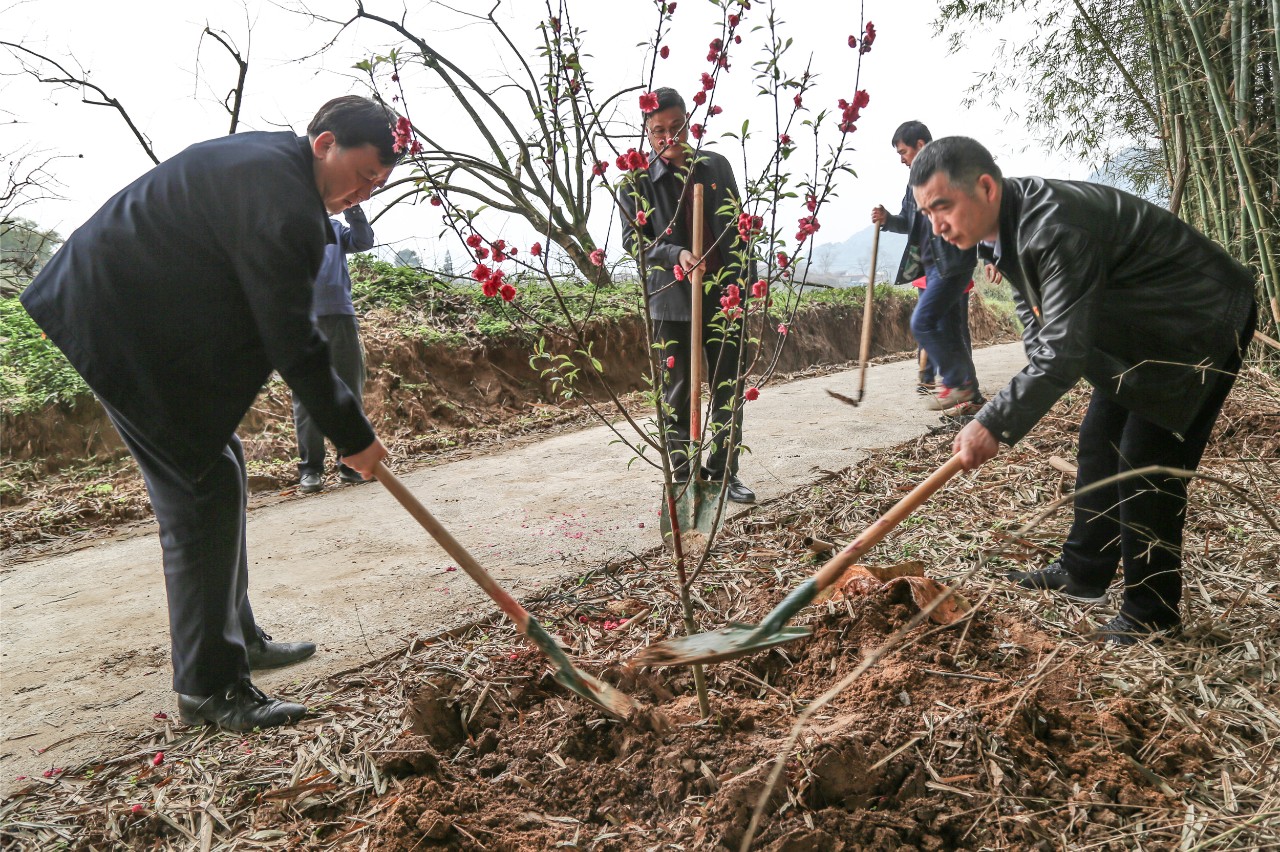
33,372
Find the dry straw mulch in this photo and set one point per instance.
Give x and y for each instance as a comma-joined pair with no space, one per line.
1008,731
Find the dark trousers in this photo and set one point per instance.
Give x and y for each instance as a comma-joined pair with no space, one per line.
674,338
1138,522
941,323
206,567
928,369
343,333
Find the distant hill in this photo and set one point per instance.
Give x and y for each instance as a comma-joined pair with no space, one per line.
848,262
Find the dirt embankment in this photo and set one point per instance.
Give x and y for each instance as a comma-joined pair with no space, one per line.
65,476
416,388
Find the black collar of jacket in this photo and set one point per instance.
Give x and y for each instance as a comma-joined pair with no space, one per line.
308,160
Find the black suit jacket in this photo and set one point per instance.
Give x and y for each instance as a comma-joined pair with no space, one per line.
177,299
1118,291
663,188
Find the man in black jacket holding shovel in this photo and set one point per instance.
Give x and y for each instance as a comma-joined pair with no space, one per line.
1154,315
176,301
659,205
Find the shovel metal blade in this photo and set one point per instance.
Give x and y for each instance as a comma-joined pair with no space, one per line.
696,508
727,643
615,703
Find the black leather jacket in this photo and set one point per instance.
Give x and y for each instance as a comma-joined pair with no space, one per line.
1118,291
924,248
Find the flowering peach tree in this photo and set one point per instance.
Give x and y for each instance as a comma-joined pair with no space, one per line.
557,153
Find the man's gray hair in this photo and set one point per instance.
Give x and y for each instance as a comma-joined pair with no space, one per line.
961,159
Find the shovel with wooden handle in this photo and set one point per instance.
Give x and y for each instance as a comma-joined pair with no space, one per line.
612,701
864,350
739,640
696,499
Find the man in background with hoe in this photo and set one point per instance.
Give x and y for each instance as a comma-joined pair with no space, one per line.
1153,314
940,321
176,301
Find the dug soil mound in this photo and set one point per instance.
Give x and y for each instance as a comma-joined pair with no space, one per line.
65,472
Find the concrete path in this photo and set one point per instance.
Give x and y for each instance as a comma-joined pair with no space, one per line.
84,635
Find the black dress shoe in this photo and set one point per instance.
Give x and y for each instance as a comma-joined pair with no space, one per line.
352,477
265,654
1123,630
240,706
310,483
739,493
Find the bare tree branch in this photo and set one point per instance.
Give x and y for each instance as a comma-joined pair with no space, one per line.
71,80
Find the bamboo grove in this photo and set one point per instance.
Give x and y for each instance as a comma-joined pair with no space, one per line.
1193,87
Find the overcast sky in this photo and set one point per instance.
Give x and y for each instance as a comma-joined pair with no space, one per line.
150,56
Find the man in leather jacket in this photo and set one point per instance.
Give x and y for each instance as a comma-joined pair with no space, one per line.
940,321
1154,315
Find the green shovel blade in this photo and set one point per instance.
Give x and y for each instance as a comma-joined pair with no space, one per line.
615,703
727,643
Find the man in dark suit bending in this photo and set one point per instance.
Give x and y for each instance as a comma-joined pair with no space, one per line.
176,301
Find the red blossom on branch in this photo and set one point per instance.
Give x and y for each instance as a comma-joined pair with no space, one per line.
732,297
402,133
678,272
708,82
753,393
759,290
648,102
474,241
749,225
782,329
700,97
536,249
665,52
808,227
436,200
642,218
508,292
784,140
782,259
481,273
632,160
671,362
597,257
599,168
695,130
715,110
811,202
868,38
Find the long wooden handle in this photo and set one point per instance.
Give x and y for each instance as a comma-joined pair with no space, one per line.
695,322
865,351
508,604
873,534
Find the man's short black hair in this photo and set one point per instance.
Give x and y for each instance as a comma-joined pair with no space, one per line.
355,121
961,159
667,98
910,133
